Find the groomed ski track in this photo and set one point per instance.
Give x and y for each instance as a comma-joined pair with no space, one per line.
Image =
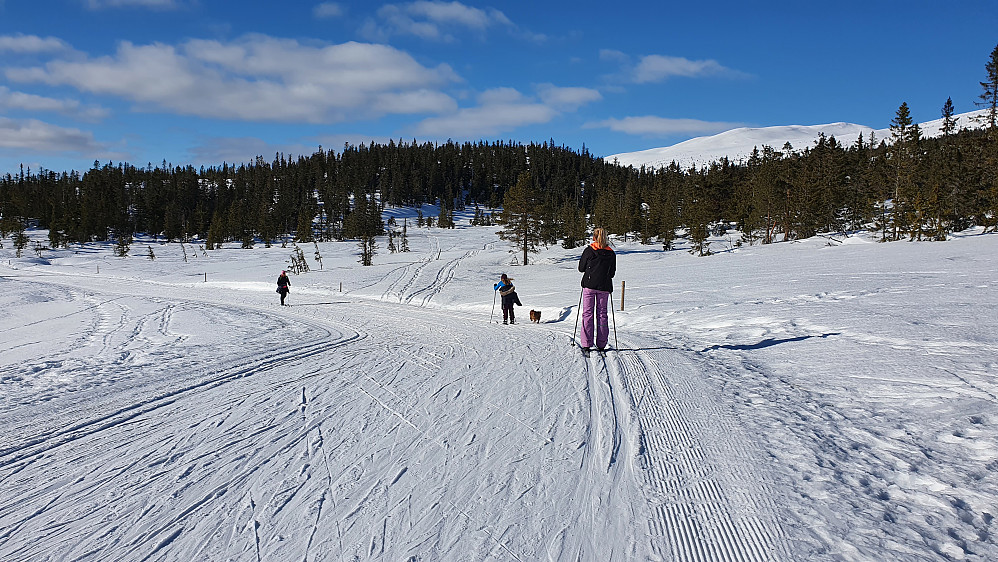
352,428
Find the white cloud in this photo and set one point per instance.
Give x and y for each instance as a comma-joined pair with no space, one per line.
31,102
567,98
613,55
429,20
656,68
158,4
31,44
328,10
660,126
457,13
257,78
38,136
499,110
504,109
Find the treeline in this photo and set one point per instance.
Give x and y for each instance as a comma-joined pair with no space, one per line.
907,186
910,187
324,196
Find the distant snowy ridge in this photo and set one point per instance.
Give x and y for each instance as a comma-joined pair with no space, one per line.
737,144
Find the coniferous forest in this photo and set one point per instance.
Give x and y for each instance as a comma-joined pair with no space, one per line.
902,187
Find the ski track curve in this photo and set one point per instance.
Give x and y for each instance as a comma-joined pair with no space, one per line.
435,460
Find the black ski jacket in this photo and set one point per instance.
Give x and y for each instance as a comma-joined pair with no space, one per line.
508,294
598,268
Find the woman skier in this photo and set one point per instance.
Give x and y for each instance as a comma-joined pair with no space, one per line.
598,264
283,285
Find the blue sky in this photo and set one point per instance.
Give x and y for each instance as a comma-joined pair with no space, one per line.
201,82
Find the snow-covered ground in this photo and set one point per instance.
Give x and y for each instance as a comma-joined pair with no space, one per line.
820,400
737,144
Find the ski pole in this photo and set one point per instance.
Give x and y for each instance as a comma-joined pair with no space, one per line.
577,312
614,316
493,306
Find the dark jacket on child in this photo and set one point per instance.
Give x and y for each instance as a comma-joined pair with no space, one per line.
508,293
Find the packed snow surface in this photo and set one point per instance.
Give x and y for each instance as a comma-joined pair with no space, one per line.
833,399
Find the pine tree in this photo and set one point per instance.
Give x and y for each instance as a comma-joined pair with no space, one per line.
696,215
989,98
317,255
572,223
391,242
20,238
404,244
522,216
215,236
949,122
123,244
368,248
902,156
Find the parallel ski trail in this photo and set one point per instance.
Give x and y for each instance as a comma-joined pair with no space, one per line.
707,505
426,451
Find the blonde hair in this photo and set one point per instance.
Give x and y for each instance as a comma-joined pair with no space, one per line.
600,238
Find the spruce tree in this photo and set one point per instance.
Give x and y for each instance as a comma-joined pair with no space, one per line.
522,216
949,122
696,216
902,156
572,223
368,248
404,244
989,99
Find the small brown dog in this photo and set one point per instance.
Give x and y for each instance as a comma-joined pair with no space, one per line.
535,316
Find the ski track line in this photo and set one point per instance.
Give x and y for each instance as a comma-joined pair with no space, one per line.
706,507
40,443
444,275
691,459
595,483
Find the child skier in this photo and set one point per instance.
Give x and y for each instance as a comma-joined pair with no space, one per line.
508,293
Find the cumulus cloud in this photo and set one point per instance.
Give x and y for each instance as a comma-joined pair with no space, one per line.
613,56
328,10
656,68
257,78
660,126
31,44
498,111
38,136
659,68
431,20
504,109
567,98
31,102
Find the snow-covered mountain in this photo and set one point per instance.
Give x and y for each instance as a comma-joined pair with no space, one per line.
737,144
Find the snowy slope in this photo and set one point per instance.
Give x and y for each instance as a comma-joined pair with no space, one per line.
737,144
805,401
